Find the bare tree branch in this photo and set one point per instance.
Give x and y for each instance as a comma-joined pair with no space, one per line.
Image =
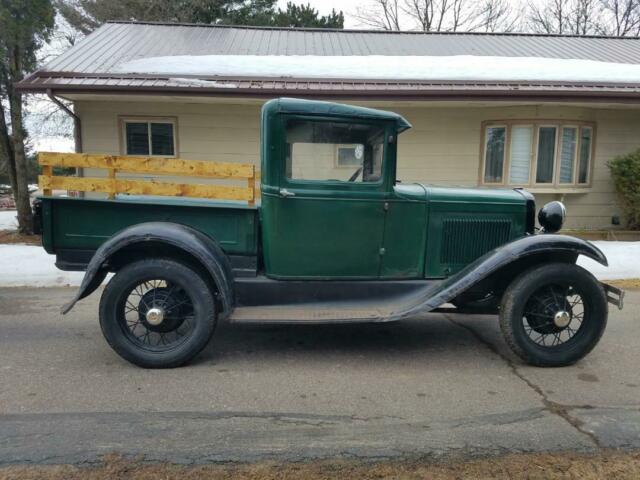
440,15
622,17
577,17
382,14
494,16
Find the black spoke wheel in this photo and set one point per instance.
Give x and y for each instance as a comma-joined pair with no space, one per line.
553,315
157,313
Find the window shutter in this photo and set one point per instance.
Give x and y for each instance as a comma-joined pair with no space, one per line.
568,154
521,138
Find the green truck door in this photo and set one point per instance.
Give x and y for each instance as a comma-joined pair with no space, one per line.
320,235
325,219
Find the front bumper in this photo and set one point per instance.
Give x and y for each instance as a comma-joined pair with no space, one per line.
615,295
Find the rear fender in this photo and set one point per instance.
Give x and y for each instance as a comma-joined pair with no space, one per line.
195,244
537,248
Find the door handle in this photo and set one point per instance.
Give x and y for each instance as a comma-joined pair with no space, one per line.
284,193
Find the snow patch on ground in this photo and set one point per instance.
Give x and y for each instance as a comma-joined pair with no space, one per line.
27,265
623,257
8,220
459,67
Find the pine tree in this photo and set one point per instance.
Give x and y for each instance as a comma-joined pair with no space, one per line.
86,15
24,26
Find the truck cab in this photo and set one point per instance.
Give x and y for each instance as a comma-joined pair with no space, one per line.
333,207
333,169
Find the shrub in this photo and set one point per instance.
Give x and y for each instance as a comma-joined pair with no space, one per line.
625,171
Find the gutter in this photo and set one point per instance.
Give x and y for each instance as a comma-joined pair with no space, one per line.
77,125
503,96
615,93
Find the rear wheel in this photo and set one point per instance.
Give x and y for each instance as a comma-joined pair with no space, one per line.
157,313
553,315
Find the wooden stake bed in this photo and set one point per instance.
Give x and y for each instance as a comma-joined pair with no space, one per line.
149,165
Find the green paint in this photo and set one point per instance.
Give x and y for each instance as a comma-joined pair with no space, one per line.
85,224
465,223
328,229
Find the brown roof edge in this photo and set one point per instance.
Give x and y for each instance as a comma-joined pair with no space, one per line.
392,94
45,74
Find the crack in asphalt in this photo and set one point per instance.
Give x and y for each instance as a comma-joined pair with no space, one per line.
555,408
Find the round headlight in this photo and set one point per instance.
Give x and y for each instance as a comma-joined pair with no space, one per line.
551,216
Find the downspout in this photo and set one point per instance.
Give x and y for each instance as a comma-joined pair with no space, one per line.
77,126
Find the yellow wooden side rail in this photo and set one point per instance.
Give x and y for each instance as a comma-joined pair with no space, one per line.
112,185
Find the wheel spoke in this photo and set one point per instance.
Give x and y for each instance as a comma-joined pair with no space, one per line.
178,304
177,322
536,314
553,294
539,320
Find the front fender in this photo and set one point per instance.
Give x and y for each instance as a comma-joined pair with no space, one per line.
495,260
204,249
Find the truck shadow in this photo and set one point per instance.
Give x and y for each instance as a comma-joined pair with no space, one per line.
432,334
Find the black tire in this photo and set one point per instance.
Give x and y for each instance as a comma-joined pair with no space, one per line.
526,314
180,290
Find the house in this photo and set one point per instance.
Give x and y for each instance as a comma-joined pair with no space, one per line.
542,112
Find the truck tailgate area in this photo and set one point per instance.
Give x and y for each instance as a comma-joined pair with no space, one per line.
73,228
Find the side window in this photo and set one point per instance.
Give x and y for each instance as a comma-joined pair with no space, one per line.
155,138
494,154
334,151
546,154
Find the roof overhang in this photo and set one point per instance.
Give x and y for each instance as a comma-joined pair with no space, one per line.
331,88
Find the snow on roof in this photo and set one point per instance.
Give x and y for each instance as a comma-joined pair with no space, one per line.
379,67
268,62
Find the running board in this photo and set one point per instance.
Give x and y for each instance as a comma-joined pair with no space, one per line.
312,313
319,314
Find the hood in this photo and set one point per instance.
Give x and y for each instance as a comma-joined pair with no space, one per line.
505,196
508,196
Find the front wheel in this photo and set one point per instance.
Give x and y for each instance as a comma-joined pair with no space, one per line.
553,315
157,313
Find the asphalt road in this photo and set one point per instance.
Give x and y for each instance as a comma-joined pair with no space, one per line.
431,386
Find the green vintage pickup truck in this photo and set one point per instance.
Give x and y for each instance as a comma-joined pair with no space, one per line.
336,238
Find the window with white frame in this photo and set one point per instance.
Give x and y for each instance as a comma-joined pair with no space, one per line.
149,137
348,156
537,154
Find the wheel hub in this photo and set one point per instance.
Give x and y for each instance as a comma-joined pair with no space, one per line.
562,319
546,315
155,316
161,309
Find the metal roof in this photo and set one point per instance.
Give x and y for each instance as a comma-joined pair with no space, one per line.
92,63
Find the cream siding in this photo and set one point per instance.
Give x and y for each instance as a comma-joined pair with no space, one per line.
443,147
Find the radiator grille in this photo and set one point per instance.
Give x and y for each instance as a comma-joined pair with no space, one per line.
465,239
